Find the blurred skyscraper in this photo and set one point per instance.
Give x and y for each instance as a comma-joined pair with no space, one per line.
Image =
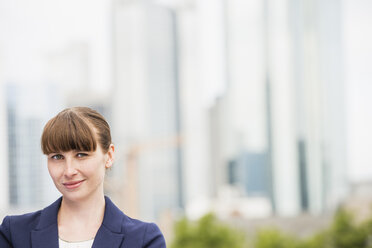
146,108
29,182
202,76
239,118
4,186
276,127
320,102
284,98
249,173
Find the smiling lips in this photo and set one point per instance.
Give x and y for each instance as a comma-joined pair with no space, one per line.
73,184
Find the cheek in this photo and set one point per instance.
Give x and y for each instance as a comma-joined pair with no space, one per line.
54,171
94,169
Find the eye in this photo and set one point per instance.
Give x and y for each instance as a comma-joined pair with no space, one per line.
81,155
57,157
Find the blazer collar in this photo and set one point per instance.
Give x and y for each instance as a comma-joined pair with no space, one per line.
110,233
46,232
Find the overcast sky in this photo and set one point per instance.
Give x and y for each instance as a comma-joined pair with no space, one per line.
31,30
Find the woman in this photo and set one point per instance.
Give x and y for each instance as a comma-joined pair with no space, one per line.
78,145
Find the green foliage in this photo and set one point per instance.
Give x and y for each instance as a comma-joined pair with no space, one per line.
319,240
208,232
344,233
274,238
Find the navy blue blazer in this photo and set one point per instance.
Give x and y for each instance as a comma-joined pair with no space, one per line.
40,230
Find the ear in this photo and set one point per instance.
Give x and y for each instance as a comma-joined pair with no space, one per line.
110,157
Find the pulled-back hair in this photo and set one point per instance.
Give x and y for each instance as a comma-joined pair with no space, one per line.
77,128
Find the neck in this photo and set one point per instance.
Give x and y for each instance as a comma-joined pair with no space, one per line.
89,211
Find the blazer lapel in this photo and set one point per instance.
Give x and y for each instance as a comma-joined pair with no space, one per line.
45,235
110,234
46,238
107,238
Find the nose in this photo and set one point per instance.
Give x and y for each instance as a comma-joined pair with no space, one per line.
70,167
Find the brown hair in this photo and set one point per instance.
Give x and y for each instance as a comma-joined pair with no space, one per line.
77,128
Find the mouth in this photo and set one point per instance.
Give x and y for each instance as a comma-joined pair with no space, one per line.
73,184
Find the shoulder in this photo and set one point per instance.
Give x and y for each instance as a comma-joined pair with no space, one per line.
131,226
147,233
31,220
14,226
25,221
137,233
16,229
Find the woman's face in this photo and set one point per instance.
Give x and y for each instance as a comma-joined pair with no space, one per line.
79,175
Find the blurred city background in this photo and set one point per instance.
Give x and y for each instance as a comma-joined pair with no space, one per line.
258,111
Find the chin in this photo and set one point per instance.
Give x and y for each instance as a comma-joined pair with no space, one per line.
73,196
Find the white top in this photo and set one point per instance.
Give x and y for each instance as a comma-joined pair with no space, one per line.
80,244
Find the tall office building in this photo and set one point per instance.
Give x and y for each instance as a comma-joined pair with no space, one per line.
4,187
276,116
29,183
240,139
320,102
284,99
145,109
280,92
202,75
248,172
